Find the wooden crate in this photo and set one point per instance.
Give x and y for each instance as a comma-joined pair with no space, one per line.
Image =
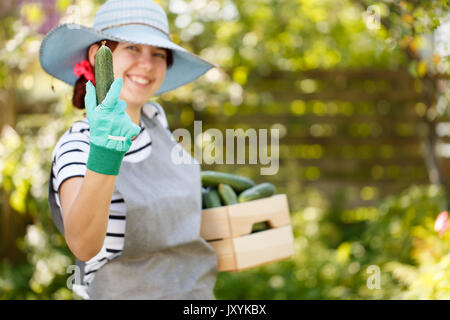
228,230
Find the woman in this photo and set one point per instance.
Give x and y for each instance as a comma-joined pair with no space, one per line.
129,214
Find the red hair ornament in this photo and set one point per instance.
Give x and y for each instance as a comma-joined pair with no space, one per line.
84,68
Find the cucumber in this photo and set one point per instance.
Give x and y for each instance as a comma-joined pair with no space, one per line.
104,73
227,194
238,183
204,191
259,191
260,226
212,199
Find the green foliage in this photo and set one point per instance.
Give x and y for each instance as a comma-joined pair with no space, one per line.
409,26
334,253
335,245
25,159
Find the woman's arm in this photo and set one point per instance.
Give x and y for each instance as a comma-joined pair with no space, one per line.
85,204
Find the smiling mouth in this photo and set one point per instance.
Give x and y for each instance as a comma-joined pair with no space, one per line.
139,81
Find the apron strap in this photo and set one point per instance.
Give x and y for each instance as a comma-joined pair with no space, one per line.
56,212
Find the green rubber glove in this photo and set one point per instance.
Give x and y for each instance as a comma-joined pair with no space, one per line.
111,129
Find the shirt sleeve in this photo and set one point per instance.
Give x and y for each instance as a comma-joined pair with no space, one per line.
70,155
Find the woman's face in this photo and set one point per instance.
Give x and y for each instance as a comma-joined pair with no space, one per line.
142,69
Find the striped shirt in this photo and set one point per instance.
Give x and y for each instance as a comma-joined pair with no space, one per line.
70,156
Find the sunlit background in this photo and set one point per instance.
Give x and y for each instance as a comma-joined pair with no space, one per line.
358,91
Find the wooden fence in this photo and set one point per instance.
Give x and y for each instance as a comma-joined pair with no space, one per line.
359,133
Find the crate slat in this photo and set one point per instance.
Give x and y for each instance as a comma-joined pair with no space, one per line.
237,220
255,249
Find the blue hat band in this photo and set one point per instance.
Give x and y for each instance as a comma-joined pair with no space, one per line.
137,23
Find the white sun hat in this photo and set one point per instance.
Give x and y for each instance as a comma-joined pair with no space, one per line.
133,21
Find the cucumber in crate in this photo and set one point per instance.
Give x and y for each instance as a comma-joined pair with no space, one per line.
224,189
232,188
247,224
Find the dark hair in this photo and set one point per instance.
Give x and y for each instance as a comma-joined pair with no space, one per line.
79,89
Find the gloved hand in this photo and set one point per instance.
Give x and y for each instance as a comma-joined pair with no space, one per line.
111,129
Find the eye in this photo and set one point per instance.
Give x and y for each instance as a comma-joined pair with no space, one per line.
161,55
133,48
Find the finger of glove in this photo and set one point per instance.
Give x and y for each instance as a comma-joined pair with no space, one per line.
133,131
120,107
113,94
128,128
90,99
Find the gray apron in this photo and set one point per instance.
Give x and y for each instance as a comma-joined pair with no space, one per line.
164,256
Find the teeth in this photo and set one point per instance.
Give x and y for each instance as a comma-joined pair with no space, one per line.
139,80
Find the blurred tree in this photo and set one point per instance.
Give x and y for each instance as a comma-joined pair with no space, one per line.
12,223
251,41
23,204
412,27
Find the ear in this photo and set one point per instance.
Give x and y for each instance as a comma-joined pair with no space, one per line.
92,51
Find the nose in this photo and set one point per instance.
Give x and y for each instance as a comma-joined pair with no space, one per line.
146,61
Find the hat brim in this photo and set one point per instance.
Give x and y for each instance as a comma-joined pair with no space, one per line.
66,45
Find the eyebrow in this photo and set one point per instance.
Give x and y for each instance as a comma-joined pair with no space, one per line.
139,44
